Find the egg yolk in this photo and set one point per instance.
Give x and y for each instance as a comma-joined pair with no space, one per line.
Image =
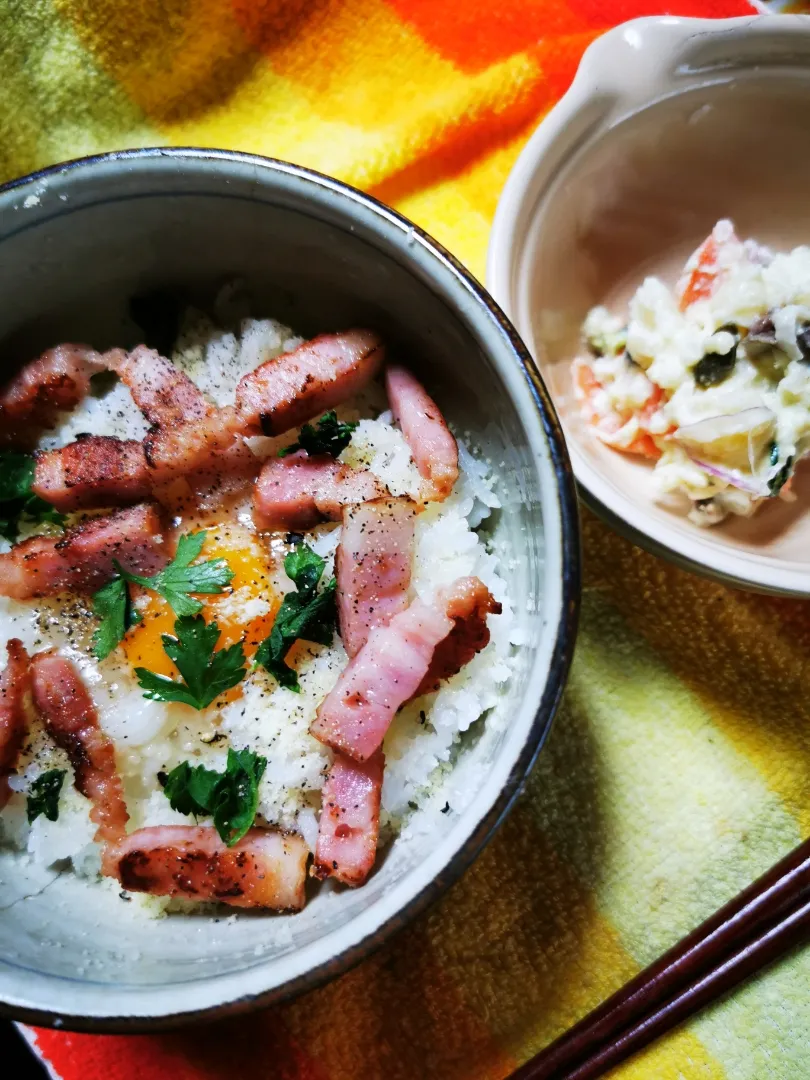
251,567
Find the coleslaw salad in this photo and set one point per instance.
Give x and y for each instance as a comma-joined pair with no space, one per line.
709,381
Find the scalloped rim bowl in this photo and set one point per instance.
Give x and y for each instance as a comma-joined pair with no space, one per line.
78,241
669,126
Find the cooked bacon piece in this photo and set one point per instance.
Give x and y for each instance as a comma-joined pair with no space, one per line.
94,471
350,819
292,388
298,491
62,700
58,379
469,602
15,682
165,395
433,448
373,567
265,869
387,672
206,444
82,559
187,433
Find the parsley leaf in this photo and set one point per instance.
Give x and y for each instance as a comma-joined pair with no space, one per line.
113,606
231,797
16,497
304,568
43,795
330,437
305,614
190,789
15,476
205,673
175,581
237,794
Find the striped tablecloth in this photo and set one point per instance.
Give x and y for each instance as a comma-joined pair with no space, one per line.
679,767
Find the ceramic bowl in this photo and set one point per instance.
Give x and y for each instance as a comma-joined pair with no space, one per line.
670,125
76,242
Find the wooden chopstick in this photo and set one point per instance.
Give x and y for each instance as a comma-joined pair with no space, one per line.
751,958
752,930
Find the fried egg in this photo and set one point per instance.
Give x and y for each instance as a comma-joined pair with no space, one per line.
243,612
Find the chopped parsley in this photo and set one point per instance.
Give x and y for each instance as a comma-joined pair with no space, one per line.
113,606
43,795
204,672
190,788
231,798
16,497
306,614
330,437
174,582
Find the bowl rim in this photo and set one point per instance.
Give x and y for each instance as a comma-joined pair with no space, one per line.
596,79
560,649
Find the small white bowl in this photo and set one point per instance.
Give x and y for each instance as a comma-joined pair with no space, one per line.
670,125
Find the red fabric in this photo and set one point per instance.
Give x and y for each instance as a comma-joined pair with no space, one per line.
475,34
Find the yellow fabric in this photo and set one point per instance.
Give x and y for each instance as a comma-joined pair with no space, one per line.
679,766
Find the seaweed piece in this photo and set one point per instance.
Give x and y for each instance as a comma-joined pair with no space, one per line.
714,368
779,479
803,341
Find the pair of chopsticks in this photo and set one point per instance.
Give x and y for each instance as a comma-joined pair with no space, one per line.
761,924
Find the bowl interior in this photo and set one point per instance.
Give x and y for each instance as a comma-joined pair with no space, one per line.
635,200
75,248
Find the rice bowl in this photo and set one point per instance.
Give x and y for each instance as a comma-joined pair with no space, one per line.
127,972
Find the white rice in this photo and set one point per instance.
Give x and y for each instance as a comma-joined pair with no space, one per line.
151,737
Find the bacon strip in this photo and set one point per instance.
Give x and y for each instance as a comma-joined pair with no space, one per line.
373,567
349,824
70,716
82,559
387,672
265,869
15,682
298,491
58,379
165,395
433,448
94,471
188,433
290,389
350,820
469,602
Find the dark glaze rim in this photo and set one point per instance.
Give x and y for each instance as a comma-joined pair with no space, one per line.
560,660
